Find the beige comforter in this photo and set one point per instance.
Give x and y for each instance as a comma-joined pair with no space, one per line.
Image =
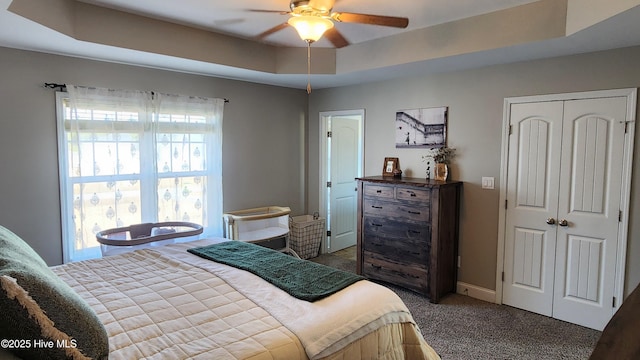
164,303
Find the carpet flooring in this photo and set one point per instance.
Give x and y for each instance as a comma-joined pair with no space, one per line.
461,327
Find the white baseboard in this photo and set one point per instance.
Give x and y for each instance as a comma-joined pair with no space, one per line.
476,292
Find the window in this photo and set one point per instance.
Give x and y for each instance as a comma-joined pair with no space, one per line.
129,157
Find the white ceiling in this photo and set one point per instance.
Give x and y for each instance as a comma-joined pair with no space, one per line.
232,17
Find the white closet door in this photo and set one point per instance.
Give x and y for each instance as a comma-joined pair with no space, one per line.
564,199
532,199
589,203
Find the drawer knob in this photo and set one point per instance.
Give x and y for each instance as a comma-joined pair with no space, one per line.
414,232
412,194
378,225
379,191
376,207
414,212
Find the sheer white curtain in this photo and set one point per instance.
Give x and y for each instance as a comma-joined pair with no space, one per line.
189,160
129,157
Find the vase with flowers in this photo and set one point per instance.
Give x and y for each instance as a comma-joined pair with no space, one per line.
441,157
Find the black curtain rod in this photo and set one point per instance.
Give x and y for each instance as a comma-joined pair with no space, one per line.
63,87
55,86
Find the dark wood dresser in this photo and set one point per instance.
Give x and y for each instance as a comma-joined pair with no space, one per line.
408,233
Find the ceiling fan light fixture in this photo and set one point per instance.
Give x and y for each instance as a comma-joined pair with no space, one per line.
310,28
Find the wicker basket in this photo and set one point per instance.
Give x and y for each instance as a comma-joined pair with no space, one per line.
305,235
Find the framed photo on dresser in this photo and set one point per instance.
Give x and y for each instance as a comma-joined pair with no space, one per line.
390,164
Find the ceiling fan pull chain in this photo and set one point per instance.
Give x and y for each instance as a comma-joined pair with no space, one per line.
308,67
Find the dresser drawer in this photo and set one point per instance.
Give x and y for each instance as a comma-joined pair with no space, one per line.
409,251
395,210
413,194
412,277
379,191
399,230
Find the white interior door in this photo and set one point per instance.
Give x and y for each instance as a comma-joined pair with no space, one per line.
564,199
588,215
532,203
345,139
343,164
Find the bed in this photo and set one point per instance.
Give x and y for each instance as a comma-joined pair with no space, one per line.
166,303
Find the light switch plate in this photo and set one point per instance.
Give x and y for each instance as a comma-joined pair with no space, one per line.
488,182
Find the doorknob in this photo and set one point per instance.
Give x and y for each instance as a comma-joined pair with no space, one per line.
563,222
551,221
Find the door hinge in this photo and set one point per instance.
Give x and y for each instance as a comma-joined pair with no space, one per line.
613,303
510,129
620,216
505,204
328,183
626,125
503,276
328,232
329,134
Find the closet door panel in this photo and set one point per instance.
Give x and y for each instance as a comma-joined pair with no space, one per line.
534,162
589,202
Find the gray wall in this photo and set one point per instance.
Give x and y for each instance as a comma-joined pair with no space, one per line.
263,146
271,146
475,99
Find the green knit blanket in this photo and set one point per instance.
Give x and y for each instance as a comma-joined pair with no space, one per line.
302,279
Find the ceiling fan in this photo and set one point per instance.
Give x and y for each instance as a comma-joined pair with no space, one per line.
314,18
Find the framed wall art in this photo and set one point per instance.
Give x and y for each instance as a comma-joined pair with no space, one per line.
421,128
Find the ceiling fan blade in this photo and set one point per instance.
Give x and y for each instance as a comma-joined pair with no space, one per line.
270,11
336,38
391,21
274,29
